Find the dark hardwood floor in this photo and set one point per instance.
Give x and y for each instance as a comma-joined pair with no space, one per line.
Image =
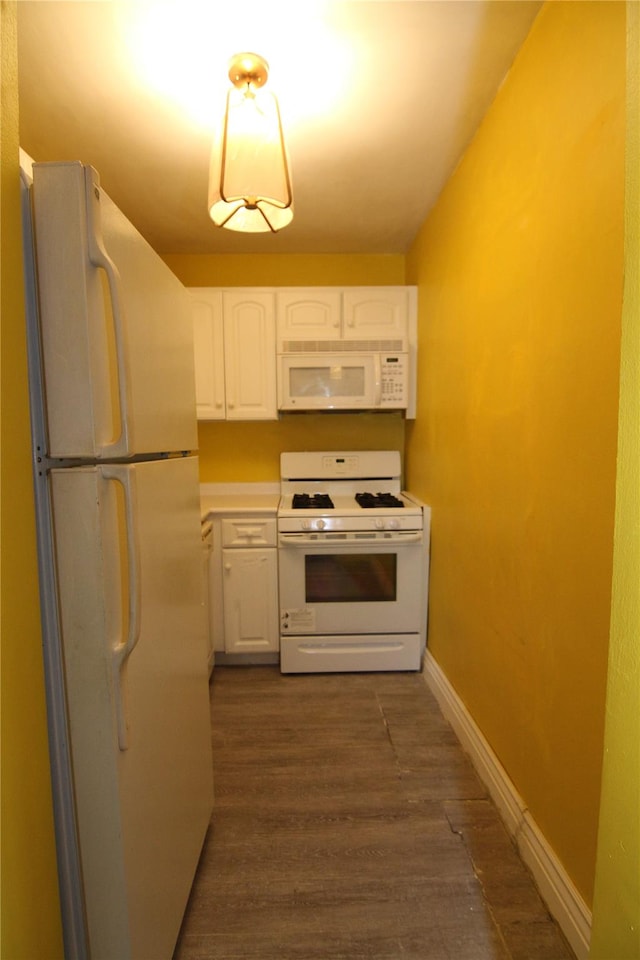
350,825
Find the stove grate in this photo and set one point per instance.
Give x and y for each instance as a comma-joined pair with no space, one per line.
312,501
372,501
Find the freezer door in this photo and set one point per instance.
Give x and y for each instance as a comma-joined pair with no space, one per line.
116,330
133,631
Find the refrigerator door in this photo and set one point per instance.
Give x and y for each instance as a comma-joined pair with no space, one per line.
132,613
116,331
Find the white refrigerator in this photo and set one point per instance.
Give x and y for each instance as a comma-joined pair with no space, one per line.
122,591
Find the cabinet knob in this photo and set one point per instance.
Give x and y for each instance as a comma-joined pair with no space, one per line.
227,566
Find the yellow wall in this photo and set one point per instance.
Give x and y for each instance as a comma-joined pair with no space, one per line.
519,269
279,270
616,913
30,910
236,452
232,452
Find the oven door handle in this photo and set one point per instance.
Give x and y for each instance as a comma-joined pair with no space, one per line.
301,540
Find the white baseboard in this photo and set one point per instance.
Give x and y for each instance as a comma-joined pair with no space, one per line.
555,885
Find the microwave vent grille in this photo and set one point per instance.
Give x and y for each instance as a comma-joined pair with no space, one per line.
342,346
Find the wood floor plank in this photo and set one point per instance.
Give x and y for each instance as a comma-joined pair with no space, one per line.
350,825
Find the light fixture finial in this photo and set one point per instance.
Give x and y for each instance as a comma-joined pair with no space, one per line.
248,68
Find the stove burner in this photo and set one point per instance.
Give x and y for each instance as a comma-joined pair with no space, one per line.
312,501
371,501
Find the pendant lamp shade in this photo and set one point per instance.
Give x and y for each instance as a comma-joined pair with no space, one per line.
249,179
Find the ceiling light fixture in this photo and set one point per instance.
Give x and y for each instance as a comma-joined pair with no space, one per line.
249,178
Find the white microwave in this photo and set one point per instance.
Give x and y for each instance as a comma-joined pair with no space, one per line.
343,381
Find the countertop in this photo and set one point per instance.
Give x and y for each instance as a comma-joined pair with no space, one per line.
251,498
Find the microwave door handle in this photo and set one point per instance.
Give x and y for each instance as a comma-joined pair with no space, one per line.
377,375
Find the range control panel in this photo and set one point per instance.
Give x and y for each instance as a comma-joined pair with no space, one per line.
340,466
336,464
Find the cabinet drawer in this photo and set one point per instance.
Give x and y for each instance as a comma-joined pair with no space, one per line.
249,532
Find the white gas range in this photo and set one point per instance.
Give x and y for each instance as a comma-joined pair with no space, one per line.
353,558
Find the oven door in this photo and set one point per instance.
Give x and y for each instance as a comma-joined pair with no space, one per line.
351,583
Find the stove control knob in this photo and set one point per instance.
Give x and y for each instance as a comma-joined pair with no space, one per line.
379,523
320,524
393,524
306,524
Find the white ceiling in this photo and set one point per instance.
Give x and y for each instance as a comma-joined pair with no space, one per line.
379,100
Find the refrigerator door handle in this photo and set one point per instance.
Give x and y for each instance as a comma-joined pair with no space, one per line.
125,476
99,257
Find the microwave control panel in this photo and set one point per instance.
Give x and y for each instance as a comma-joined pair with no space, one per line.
394,370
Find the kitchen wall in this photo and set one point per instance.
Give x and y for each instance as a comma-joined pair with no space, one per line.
236,452
520,270
30,908
616,932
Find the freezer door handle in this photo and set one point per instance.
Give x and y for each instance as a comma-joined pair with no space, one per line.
125,476
99,257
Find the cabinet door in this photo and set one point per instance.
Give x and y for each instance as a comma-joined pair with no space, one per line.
375,313
208,340
250,355
250,601
308,313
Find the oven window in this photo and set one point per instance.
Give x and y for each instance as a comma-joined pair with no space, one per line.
349,577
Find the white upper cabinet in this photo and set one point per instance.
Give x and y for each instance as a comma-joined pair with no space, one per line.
309,313
235,354
249,355
240,332
208,337
375,313
337,313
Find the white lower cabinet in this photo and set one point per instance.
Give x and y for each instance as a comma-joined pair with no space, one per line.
244,587
250,592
